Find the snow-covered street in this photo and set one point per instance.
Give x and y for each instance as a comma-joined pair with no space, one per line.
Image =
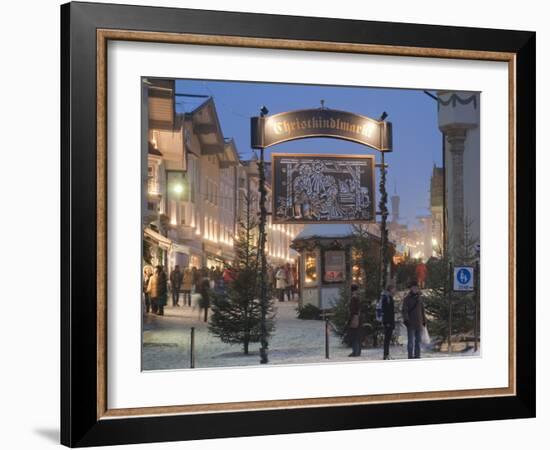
166,343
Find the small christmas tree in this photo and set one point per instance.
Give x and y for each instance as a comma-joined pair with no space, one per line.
436,297
236,315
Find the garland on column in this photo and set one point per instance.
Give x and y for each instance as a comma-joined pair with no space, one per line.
382,205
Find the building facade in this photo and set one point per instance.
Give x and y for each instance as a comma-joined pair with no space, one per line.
195,187
437,184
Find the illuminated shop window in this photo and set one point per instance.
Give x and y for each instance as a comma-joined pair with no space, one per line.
195,261
335,266
310,269
356,274
356,271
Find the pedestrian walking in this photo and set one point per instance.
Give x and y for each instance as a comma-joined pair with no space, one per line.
212,276
147,273
296,286
196,278
187,286
414,318
354,324
388,317
228,275
157,289
280,283
176,278
421,274
218,273
204,290
289,282
270,279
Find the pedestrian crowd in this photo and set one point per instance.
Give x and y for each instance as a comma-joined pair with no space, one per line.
281,280
181,283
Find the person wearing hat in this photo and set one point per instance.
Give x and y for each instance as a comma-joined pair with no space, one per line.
414,318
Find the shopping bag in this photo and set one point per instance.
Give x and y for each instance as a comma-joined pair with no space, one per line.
425,336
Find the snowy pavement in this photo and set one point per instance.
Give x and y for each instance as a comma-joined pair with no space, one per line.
166,342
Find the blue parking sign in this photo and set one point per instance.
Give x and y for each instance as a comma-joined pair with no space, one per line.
463,279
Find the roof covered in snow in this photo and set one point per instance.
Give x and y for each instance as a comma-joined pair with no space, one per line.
325,231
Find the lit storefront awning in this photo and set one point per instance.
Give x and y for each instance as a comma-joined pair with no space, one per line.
162,241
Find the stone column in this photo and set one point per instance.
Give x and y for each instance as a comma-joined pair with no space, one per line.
455,138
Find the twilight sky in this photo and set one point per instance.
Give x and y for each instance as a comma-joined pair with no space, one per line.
416,138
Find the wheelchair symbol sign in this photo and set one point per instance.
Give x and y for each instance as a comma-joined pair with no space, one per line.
463,279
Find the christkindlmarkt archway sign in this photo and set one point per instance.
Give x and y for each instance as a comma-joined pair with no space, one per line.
326,188
321,122
322,188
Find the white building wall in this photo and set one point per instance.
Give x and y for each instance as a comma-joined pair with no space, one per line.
472,211
227,207
462,115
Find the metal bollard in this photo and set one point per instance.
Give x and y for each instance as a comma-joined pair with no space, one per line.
327,355
192,352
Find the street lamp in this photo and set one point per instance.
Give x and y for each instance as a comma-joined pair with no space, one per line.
178,188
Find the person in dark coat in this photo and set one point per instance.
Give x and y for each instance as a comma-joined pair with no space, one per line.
196,278
354,324
176,278
388,317
204,289
187,285
414,318
157,289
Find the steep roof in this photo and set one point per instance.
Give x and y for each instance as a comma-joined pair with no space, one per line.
206,125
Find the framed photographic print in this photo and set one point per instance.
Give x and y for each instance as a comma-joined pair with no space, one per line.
277,224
